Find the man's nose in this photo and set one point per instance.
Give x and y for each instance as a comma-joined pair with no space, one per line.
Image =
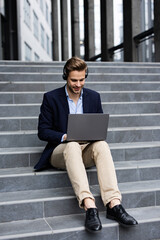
78,84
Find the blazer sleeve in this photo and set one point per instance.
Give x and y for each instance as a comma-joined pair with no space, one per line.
46,131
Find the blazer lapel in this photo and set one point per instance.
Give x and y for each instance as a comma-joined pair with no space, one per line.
64,101
86,101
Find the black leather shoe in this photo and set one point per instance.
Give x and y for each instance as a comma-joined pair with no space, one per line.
92,222
119,214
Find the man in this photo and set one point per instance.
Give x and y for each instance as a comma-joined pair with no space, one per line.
75,157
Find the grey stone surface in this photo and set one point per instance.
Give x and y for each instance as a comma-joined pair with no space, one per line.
134,120
19,110
145,231
11,179
125,108
9,124
91,77
14,160
45,68
74,227
135,153
59,202
30,181
98,86
24,227
21,139
106,96
129,96
22,211
31,123
10,110
137,135
158,198
29,138
132,99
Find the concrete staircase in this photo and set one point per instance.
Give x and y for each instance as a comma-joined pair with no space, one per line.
42,205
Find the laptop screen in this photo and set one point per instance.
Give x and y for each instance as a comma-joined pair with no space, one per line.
87,127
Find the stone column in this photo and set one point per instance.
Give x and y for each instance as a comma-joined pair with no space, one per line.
89,29
75,28
66,29
157,30
107,31
132,27
56,30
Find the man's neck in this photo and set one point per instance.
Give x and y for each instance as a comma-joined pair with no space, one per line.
73,96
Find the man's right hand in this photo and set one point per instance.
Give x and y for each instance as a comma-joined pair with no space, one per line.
64,137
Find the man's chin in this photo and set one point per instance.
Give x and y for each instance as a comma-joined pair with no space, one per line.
77,92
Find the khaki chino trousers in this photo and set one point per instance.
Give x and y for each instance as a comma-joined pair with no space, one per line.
75,158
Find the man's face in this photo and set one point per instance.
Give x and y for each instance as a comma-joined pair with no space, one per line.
76,81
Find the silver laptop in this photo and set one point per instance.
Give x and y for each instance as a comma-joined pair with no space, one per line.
87,127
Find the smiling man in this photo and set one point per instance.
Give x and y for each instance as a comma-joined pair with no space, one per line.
73,98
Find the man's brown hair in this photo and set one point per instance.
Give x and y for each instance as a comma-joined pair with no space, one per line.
74,64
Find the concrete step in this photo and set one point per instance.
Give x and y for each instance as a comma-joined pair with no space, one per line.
34,201
106,96
18,123
92,69
29,156
30,109
14,76
27,205
72,227
44,86
89,63
120,120
19,157
21,179
28,138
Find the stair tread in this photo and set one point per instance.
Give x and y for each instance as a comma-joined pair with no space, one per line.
91,73
71,223
111,115
67,192
37,149
23,171
137,86
21,132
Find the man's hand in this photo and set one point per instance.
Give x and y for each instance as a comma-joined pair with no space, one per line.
65,137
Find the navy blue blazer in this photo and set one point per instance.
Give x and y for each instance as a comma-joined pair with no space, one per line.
53,118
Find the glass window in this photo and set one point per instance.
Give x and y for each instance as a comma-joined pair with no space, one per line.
27,15
42,36
35,25
36,57
47,44
28,52
41,5
47,14
51,52
2,7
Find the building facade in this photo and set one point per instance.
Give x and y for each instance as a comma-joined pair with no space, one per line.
44,30
34,30
26,31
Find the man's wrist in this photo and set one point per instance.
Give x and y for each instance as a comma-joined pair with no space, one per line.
64,137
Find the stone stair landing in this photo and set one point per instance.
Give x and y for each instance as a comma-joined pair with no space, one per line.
42,205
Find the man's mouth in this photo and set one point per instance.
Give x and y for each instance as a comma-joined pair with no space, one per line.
76,89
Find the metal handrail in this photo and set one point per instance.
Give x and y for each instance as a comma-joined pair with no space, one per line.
138,39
